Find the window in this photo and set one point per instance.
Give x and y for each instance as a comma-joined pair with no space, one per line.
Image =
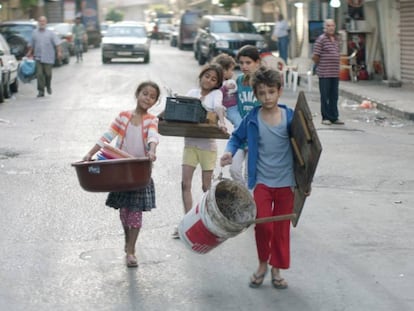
232,26
126,32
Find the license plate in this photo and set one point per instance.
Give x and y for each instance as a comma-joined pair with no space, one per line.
124,53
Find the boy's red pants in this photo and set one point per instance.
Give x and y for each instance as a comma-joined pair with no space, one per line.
273,238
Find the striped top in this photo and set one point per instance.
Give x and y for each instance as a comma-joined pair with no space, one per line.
328,52
119,126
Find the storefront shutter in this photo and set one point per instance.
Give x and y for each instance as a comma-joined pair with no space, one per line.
407,40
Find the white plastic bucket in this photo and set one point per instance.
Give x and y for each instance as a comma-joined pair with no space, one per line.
221,214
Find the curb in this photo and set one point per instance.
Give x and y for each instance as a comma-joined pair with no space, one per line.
380,106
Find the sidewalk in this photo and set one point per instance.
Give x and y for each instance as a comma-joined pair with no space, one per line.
398,101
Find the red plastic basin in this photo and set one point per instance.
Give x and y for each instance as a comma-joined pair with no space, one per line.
114,175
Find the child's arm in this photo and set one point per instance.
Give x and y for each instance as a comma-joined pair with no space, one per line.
226,159
107,137
221,121
152,139
91,153
152,151
219,110
237,139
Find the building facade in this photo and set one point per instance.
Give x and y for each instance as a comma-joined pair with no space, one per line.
381,30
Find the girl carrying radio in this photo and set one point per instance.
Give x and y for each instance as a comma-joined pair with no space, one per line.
202,151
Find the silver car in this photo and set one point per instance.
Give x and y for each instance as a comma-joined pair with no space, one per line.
8,64
126,40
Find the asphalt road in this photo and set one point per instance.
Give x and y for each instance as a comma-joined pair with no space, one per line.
62,249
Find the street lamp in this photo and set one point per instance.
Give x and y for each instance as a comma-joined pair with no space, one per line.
335,3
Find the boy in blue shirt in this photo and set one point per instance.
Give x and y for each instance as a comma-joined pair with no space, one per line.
265,129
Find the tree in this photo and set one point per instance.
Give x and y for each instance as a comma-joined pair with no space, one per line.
229,4
114,15
28,7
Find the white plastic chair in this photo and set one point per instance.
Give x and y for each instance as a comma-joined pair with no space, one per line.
275,63
351,65
300,66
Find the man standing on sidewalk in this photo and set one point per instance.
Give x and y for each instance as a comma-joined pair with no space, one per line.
281,35
43,47
326,56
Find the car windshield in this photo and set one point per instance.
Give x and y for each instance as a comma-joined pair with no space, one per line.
125,31
190,18
232,26
165,28
24,31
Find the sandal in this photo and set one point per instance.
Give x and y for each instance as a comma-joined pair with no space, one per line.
279,283
257,280
131,261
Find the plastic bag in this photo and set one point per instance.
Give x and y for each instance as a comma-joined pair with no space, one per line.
27,70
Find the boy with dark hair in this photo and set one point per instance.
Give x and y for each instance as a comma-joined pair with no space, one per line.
265,129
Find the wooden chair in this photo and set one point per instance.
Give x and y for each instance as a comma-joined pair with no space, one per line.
351,65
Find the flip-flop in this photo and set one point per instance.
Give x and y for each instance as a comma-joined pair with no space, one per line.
131,261
279,283
257,280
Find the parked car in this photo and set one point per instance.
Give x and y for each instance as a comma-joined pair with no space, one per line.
126,40
165,30
188,28
18,34
64,31
224,34
3,75
104,28
65,54
266,30
9,67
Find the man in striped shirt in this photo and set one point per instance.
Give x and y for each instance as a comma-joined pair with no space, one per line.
327,59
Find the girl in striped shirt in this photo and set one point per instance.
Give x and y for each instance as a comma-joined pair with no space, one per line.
136,132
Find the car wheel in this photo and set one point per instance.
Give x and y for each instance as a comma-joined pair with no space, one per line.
106,60
6,89
14,87
1,95
201,59
18,46
147,58
180,45
210,57
58,62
